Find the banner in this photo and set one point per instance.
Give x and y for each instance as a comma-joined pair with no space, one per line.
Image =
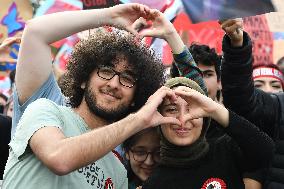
208,33
205,10
262,38
98,4
153,4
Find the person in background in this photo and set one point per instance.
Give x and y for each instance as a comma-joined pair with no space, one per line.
265,110
142,155
209,62
3,101
12,81
8,108
5,48
268,77
5,121
5,129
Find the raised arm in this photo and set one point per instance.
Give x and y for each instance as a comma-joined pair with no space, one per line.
238,90
162,28
34,63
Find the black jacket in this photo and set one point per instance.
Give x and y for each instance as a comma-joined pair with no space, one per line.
5,136
263,109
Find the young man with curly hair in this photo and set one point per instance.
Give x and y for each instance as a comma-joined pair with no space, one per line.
109,77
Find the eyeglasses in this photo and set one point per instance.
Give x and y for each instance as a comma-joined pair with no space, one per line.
141,156
125,78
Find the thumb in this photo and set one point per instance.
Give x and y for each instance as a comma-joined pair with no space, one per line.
149,33
131,30
139,24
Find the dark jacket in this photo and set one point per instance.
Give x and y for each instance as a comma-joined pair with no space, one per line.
224,163
263,109
5,136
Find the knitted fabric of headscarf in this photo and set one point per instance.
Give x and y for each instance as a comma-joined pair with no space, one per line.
184,156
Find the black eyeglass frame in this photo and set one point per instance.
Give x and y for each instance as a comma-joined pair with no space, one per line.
152,154
114,74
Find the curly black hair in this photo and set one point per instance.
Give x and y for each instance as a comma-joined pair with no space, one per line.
102,48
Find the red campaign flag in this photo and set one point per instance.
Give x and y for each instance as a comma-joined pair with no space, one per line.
208,33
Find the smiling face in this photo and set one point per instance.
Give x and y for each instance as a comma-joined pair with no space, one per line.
148,142
189,130
109,99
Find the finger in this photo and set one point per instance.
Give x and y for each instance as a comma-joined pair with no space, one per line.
131,30
161,92
11,40
153,14
232,22
147,10
169,120
192,116
227,23
221,21
8,60
157,98
232,29
139,24
185,91
150,33
183,88
143,10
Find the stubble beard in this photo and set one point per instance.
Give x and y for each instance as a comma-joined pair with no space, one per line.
111,115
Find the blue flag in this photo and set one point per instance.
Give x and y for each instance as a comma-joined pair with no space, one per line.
205,10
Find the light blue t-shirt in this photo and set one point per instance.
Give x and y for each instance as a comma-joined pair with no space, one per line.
49,90
25,170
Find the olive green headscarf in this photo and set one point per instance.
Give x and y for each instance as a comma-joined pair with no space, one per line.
184,156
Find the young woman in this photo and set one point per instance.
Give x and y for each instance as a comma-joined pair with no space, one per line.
142,153
188,161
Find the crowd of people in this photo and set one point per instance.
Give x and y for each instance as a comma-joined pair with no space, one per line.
115,120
